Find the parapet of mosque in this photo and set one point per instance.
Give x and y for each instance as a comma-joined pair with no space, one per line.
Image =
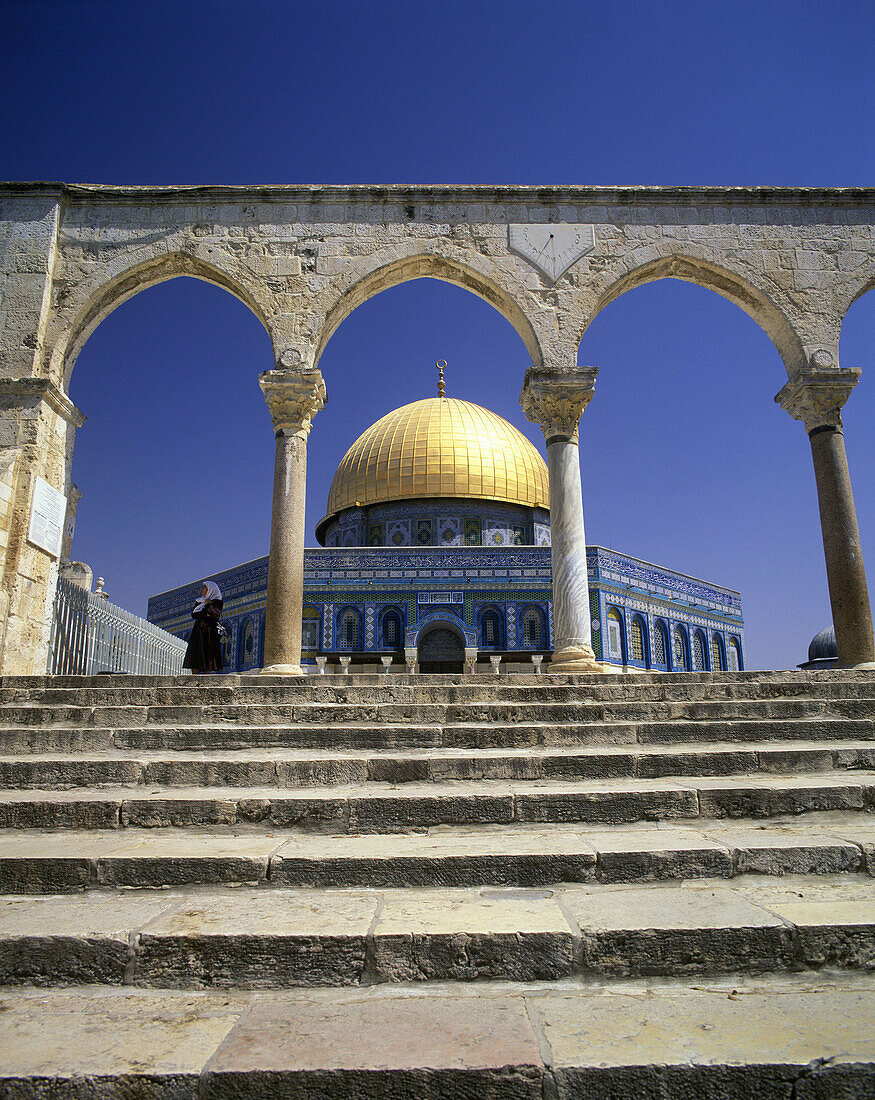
366,603
436,555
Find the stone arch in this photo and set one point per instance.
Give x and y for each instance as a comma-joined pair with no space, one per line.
723,281
74,329
360,284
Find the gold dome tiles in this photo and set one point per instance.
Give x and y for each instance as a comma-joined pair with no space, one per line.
440,447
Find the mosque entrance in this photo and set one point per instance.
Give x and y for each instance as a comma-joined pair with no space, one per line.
441,650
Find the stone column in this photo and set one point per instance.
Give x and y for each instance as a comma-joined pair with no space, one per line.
555,398
293,397
815,396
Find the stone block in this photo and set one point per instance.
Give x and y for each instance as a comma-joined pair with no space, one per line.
427,1048
82,1045
631,931
436,936
770,852
727,1042
637,856
634,804
742,798
387,813
259,941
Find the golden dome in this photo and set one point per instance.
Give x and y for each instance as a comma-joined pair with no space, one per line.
439,447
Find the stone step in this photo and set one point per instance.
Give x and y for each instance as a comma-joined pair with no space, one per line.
393,714
103,691
294,937
290,768
775,1037
525,855
384,808
462,735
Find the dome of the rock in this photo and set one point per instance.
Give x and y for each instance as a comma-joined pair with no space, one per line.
439,447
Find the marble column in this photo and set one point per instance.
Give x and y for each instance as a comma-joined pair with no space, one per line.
816,396
555,398
293,397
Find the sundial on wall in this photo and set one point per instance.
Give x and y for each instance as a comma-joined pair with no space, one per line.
552,248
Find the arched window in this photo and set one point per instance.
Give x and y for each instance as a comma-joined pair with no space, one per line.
615,635
734,654
310,630
718,663
636,639
391,633
349,630
533,628
660,644
679,648
698,650
246,654
491,630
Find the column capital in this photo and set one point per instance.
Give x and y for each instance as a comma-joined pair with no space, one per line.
555,398
815,395
293,398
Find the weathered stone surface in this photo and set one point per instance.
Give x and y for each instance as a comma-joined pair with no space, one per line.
435,935
174,859
75,1044
430,1048
727,1041
662,930
617,804
781,852
636,855
762,798
55,941
522,857
262,940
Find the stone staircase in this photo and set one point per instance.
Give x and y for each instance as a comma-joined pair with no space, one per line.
615,886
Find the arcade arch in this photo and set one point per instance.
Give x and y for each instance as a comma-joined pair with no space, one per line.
303,257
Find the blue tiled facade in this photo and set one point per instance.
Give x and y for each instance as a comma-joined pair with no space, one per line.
369,602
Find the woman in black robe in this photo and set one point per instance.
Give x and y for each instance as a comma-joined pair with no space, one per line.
204,653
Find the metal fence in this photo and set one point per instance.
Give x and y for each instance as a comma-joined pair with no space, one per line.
91,635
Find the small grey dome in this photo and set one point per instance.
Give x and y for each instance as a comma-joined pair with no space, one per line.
823,645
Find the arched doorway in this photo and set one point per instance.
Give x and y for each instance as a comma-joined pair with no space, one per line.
441,649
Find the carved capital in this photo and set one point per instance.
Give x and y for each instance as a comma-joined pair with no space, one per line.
816,395
555,398
293,397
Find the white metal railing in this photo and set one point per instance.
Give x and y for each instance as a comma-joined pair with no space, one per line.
91,635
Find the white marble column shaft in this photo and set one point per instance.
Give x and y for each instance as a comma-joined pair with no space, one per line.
555,398
293,397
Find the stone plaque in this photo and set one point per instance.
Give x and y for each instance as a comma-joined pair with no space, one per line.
552,248
47,517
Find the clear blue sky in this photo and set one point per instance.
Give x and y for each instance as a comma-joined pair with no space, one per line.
686,460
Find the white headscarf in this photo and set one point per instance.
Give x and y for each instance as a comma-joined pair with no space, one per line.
213,593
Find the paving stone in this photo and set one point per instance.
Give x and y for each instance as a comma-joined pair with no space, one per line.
412,1047
725,1042
84,1047
50,940
627,930
523,857
766,798
607,805
435,935
258,940
412,809
772,852
639,855
835,933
